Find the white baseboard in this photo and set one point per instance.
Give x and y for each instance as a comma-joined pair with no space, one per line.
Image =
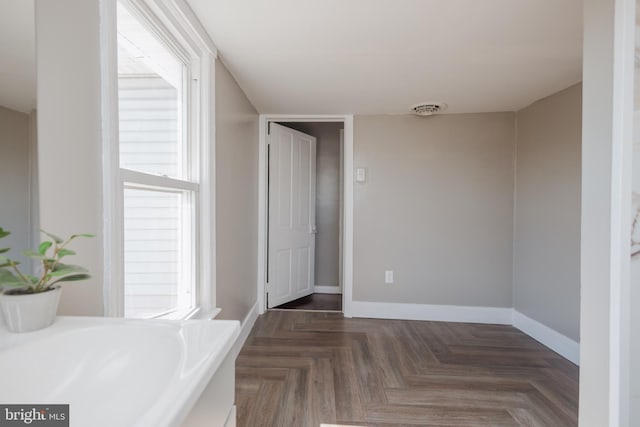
232,417
245,329
327,290
564,346
442,313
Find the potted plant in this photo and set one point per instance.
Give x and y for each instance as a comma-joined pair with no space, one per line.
30,302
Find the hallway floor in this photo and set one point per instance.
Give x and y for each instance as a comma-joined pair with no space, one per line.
315,302
307,369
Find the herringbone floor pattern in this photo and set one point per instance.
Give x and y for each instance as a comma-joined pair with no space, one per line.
302,369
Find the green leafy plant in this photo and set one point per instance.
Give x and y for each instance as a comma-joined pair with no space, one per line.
53,271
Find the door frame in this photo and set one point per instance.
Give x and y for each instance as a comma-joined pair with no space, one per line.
347,204
607,140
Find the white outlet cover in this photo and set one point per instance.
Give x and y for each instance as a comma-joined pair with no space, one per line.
361,175
388,276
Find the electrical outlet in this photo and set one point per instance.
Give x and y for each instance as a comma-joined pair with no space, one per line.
388,276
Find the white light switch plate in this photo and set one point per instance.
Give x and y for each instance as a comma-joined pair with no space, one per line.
361,175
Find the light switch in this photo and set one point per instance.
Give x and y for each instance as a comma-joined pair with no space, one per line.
361,175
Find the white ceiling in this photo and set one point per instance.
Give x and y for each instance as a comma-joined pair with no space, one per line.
17,55
363,56
382,56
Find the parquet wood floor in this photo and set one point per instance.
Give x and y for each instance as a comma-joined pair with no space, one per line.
301,369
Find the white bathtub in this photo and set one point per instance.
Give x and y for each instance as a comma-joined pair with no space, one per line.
119,373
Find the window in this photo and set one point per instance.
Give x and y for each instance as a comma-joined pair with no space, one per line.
159,167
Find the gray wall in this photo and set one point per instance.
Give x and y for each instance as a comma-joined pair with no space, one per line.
437,209
547,211
327,198
15,181
69,139
236,197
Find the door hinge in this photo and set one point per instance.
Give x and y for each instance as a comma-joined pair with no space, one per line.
268,128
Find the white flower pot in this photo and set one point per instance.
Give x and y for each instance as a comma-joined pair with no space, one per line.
25,313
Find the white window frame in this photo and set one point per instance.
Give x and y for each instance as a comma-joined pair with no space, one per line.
174,18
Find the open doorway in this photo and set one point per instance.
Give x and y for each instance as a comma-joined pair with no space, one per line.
346,257
305,215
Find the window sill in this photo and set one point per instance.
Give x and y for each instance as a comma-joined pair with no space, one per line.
201,314
192,314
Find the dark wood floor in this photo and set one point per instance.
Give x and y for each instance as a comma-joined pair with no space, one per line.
306,369
315,302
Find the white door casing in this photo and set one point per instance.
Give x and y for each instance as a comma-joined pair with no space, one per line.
292,215
341,215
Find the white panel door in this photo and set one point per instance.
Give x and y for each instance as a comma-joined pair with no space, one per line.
292,215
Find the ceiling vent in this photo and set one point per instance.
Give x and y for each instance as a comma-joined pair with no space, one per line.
428,108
